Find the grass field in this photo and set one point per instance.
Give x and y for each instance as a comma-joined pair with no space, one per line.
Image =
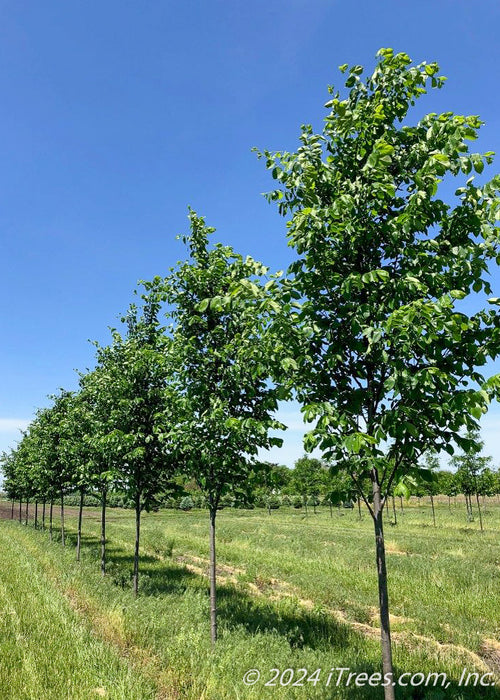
294,593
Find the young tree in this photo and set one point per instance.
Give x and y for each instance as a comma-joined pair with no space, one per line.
431,486
338,488
227,402
447,485
53,428
134,378
470,466
385,362
264,485
103,469
308,479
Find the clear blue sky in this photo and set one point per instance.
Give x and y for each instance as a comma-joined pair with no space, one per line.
117,115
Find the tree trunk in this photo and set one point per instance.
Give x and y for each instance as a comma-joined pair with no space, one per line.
401,504
433,511
479,511
50,518
63,541
449,503
331,510
314,507
383,594
43,515
137,538
26,514
36,515
12,510
470,515
20,510
305,503
359,508
213,581
394,511
103,531
79,533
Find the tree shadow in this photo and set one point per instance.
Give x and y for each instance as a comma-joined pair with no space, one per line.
286,618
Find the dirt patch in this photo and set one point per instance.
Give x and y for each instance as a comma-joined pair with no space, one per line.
490,652
200,566
275,589
392,548
6,511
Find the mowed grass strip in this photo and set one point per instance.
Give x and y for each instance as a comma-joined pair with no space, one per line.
281,578
444,581
46,650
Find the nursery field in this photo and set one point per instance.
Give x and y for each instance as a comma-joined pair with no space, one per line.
294,593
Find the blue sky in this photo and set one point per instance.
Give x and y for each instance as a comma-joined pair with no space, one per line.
117,115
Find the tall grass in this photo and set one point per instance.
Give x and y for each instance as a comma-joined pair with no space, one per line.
294,593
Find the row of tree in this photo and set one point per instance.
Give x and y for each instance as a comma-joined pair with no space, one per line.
366,329
163,403
312,482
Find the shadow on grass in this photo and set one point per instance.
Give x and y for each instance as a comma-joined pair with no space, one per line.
286,618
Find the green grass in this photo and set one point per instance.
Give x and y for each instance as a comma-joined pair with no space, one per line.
294,592
46,650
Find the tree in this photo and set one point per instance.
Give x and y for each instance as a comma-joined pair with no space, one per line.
133,375
470,466
431,486
338,488
53,430
226,400
383,360
447,485
103,470
308,479
264,485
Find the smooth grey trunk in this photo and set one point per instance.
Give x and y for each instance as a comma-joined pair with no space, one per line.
213,581
43,515
63,540
36,515
479,511
103,532
20,510
137,539
51,510
383,594
79,534
433,511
